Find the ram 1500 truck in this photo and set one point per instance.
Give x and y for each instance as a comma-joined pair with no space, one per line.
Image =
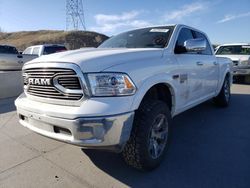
239,53
123,95
10,59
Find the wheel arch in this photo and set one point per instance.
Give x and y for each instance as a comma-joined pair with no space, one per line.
225,75
226,69
160,90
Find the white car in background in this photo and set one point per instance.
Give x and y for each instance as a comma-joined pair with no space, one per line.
44,49
239,53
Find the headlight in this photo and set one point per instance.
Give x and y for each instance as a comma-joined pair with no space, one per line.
111,84
245,63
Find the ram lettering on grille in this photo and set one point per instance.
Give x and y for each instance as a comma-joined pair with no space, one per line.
39,81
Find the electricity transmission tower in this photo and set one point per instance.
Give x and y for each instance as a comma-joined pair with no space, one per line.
74,15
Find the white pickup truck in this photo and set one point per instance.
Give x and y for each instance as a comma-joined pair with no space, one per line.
123,95
44,49
239,53
11,60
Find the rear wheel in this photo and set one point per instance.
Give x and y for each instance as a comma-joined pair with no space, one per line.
149,137
224,96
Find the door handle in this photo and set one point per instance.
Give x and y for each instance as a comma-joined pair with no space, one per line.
176,76
216,63
199,63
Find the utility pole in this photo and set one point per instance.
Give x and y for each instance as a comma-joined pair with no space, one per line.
75,15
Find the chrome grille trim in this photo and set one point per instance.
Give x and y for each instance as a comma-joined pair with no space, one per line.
56,91
67,87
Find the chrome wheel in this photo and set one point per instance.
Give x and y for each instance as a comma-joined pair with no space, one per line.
158,136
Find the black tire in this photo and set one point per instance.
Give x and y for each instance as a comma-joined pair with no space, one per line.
140,151
239,79
235,79
223,98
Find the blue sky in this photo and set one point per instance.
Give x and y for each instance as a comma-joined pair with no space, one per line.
224,21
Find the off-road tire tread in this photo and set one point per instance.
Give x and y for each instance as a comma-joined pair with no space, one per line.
133,152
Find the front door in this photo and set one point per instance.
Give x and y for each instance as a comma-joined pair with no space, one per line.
210,68
190,70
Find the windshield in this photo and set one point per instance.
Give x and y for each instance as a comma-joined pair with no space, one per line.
234,50
154,37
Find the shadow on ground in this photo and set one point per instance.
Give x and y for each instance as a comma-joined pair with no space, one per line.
7,105
210,148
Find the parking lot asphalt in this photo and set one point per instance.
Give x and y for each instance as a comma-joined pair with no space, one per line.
210,148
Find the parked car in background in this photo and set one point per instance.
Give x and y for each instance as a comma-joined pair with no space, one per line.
44,49
11,59
239,53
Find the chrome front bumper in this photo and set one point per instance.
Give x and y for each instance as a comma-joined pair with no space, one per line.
241,71
109,132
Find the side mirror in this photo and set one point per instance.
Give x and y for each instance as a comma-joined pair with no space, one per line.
195,45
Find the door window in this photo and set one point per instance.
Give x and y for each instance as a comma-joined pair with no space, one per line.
8,50
185,34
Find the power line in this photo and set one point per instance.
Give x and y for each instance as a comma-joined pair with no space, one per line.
75,15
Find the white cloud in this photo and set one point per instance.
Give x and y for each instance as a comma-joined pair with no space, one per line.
228,18
111,23
104,18
184,11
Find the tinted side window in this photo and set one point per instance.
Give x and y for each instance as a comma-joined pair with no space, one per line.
53,49
185,34
8,50
12,50
234,50
208,50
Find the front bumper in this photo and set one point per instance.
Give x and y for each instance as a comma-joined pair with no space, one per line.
241,71
107,132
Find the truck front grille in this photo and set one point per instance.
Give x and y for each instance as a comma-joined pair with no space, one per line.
54,83
70,82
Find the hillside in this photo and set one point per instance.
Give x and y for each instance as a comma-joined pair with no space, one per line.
72,39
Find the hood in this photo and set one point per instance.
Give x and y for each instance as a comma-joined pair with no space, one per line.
236,57
98,59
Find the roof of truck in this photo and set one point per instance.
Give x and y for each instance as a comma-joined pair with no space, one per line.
236,44
46,45
7,45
